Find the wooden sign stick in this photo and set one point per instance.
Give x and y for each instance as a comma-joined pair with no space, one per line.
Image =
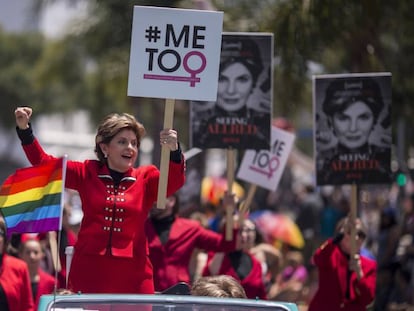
52,236
245,206
352,217
230,179
165,156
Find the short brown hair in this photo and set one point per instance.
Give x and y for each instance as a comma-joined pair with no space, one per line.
222,286
112,125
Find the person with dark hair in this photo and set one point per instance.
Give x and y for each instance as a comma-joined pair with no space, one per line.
240,263
345,282
221,286
111,251
240,67
173,239
42,283
352,108
15,289
241,112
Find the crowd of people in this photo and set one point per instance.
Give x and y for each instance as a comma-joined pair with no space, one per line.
125,244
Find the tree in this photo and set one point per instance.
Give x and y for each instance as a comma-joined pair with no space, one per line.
351,36
18,52
337,36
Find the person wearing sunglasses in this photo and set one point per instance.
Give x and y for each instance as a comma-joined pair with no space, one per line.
345,282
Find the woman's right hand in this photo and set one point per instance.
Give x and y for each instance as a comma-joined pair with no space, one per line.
23,115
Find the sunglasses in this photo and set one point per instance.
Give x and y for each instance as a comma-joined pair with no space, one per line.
361,235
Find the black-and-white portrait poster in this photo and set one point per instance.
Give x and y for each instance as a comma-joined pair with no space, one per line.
352,132
240,118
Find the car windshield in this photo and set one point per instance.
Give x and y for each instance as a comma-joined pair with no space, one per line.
154,303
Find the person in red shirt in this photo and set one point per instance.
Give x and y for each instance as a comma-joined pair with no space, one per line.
344,283
241,264
111,251
15,291
31,252
173,239
66,237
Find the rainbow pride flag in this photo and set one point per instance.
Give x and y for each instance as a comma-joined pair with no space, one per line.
31,199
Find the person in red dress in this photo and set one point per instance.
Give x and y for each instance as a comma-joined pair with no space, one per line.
111,251
172,240
15,290
30,250
241,264
344,283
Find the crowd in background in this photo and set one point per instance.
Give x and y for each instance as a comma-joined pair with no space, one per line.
387,212
287,272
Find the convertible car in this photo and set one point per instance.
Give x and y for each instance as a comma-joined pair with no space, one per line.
123,302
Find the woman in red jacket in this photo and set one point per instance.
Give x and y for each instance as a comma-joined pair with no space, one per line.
172,240
111,253
241,264
15,291
30,250
345,283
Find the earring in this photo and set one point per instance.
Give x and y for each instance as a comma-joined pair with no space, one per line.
105,156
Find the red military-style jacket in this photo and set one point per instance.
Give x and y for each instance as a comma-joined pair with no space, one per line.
253,283
334,282
111,252
15,281
171,260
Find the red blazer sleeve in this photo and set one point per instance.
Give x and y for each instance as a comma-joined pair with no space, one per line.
322,255
212,241
35,153
176,172
365,287
15,280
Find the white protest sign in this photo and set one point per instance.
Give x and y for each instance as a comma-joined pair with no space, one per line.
264,168
175,53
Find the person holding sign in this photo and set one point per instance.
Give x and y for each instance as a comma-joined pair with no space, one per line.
355,113
344,283
173,239
110,255
241,263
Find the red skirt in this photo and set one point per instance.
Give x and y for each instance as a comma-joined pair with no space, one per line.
90,273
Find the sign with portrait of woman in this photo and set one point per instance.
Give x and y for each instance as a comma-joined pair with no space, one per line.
352,133
240,118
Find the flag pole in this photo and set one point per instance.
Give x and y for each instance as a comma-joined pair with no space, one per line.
230,179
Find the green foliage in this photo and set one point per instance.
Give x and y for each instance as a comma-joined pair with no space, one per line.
60,78
18,53
340,36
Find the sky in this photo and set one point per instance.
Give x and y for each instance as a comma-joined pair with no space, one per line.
15,16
